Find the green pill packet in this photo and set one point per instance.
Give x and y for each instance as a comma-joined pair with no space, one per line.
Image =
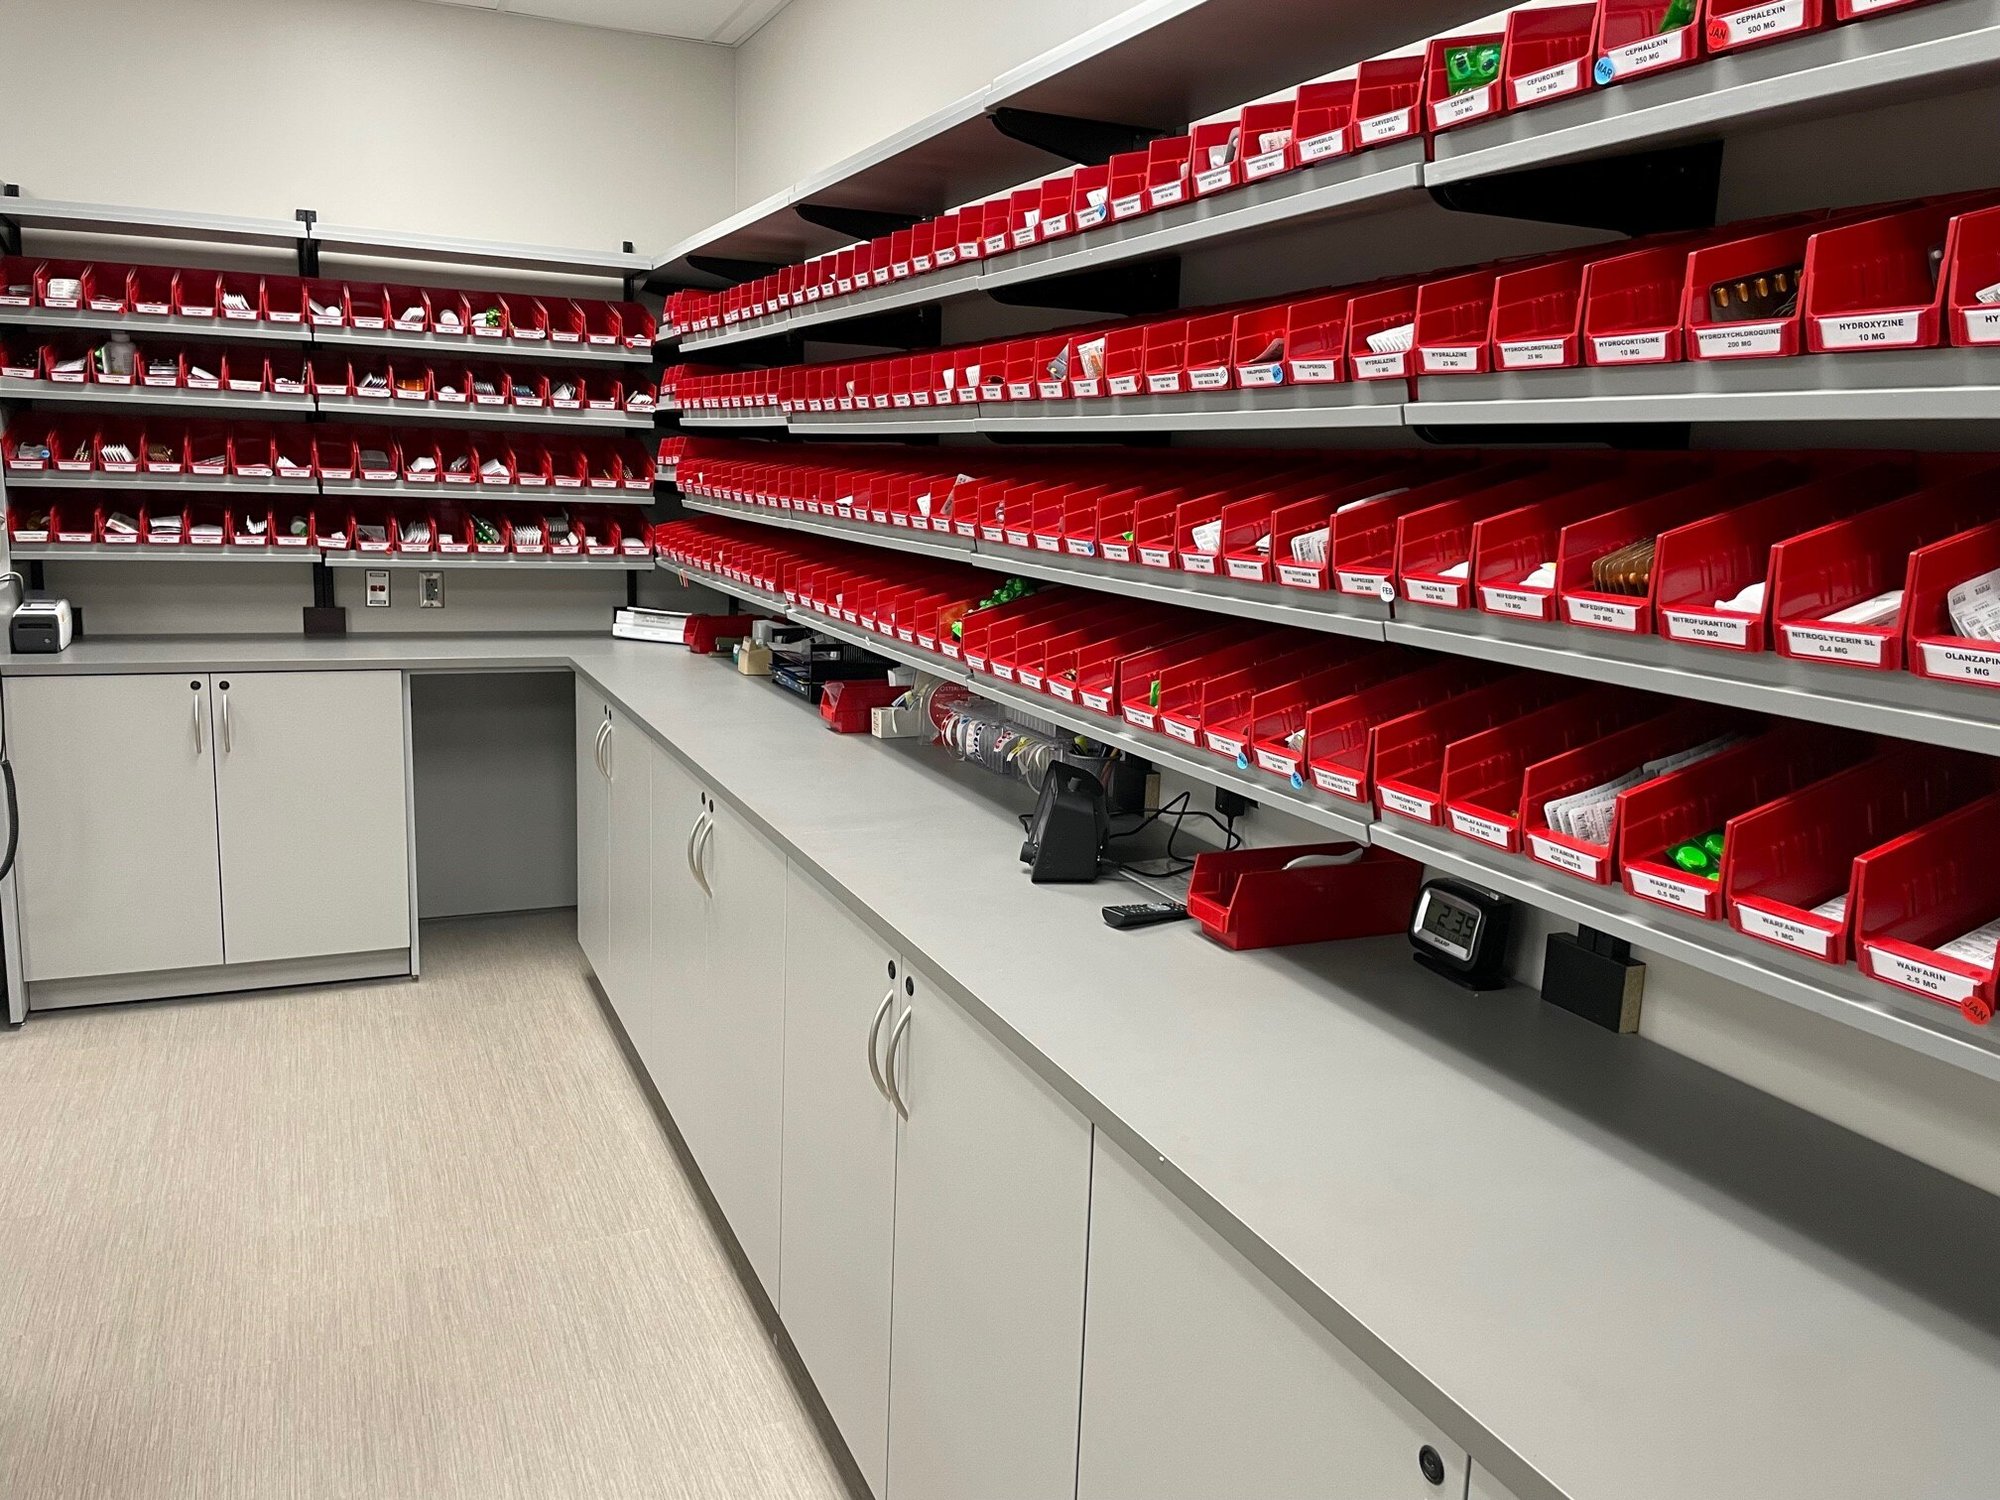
1468,68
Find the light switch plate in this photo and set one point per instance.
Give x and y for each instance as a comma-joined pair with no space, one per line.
378,588
430,591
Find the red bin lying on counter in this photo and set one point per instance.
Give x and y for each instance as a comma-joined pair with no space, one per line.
1301,893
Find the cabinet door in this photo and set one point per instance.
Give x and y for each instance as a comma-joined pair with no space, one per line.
734,1112
992,1216
593,831
839,1197
666,1038
311,805
627,974
117,869
1201,1378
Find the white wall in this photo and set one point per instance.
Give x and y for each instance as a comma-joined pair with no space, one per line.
381,113
827,78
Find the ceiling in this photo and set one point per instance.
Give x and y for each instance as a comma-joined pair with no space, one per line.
725,21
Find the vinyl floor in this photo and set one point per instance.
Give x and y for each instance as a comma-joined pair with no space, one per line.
390,1240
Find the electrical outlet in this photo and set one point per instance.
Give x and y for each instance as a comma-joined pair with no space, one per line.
430,591
378,588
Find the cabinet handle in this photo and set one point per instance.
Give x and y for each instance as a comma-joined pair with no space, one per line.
228,738
597,748
874,1037
604,749
610,752
895,1042
694,832
198,734
701,854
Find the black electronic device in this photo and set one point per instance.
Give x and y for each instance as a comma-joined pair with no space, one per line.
1144,914
1067,834
1460,932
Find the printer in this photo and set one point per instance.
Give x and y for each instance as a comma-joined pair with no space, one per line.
41,625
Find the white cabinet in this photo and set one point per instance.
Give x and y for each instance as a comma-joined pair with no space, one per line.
992,1216
715,1049
844,988
170,824
1201,1378
593,829
119,871
627,973
1486,1487
309,778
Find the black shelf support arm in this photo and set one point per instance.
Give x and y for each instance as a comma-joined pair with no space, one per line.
1087,142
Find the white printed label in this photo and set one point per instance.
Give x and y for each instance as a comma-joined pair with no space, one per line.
1320,147
1880,331
1282,765
1099,701
1960,663
1531,354
1754,25
1835,645
1672,892
1299,577
1383,127
1090,215
1157,557
1562,857
1773,928
1263,164
1434,591
1213,180
1561,79
1469,105
1142,717
1117,551
1223,744
1253,376
1054,225
1629,348
1325,371
1738,342
1179,731
1653,52
1164,383
1078,546
1708,630
1337,783
1044,543
1198,562
1124,208
1982,325
1369,585
1210,379
1923,978
1522,602
1063,690
1486,830
1249,569
1604,614
1420,808
1380,366
1451,361
1168,192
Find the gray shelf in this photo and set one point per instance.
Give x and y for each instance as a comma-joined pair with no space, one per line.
192,484
948,285
50,393
909,655
150,223
437,345
139,325
471,495
437,562
341,239
1915,385
388,409
1933,48
1901,704
749,593
766,418
145,552
1335,614
1843,994
1372,405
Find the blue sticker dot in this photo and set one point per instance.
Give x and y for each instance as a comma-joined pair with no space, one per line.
1606,70
1242,761
1298,782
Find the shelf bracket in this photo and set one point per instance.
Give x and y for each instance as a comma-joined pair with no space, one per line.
1087,142
1620,437
730,269
1149,286
308,246
323,616
633,281
1646,192
855,223
10,229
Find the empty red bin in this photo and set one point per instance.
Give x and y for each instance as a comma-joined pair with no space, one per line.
1168,699
1972,296
1445,109
1126,186
1736,24
1388,100
1166,174
1434,545
1701,571
1361,540
1323,121
1876,285
1110,684
1550,52
1301,893
1837,569
1454,323
1791,862
1219,714
1633,305
1538,315
1590,852
1274,729
1928,889
1483,772
1409,752
1634,37
1315,351
1691,803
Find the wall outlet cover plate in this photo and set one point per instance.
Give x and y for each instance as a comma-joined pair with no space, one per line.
378,588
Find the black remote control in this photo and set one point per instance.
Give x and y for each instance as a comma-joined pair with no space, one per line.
1144,915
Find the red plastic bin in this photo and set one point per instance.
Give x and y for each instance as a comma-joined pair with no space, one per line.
1935,648
1735,24
1409,752
1247,898
1630,41
1746,258
1484,772
1915,894
1445,110
1550,53
1388,100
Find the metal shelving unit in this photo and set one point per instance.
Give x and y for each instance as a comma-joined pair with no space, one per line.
147,552
509,563
141,325
1374,405
896,538
472,495
387,409
52,393
446,345
732,420
60,217
191,484
346,240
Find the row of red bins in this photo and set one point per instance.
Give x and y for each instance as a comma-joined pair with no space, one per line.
1516,535
248,297
225,450
149,521
1810,816
422,377
1547,52
1902,276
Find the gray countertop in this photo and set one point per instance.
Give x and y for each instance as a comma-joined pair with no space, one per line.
1609,1272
